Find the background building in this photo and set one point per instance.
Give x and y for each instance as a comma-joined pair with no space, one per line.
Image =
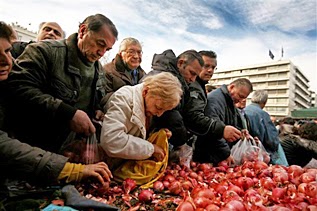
313,99
286,85
23,33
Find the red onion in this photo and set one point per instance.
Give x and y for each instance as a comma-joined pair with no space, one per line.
129,185
185,206
158,186
175,188
145,196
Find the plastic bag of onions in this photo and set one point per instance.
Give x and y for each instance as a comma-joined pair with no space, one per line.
81,149
249,150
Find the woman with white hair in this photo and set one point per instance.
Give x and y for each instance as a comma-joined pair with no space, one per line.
126,125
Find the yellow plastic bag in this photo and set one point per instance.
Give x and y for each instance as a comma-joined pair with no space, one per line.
145,172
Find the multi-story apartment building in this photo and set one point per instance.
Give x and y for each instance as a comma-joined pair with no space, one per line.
313,99
286,85
24,34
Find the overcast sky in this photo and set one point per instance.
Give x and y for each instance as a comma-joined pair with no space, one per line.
241,32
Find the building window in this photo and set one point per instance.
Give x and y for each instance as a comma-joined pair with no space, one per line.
282,74
271,92
281,91
272,83
273,75
282,82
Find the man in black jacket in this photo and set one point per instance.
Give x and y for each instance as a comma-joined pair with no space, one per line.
186,67
196,121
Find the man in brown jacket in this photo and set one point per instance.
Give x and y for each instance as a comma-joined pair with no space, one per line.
125,68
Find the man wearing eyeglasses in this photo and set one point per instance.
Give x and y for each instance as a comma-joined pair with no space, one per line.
125,68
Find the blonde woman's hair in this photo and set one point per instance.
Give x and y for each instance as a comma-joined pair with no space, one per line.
166,86
127,42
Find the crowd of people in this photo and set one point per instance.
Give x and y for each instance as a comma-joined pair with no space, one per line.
57,86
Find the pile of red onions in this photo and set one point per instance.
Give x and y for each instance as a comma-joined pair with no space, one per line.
251,186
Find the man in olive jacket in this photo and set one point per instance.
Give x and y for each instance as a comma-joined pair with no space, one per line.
22,161
60,84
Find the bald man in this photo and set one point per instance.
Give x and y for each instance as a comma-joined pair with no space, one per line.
50,31
47,31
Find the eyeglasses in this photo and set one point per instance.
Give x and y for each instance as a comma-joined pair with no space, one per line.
134,52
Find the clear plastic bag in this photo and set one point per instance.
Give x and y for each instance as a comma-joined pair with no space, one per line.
81,149
249,150
185,155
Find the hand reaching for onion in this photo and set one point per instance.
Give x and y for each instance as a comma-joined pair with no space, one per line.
100,171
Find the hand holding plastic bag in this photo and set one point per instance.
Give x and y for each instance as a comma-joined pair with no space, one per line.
249,150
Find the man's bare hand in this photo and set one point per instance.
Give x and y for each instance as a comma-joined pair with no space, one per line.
100,171
168,133
99,115
231,133
81,123
230,160
245,134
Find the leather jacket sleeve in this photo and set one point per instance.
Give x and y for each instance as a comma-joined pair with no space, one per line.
195,118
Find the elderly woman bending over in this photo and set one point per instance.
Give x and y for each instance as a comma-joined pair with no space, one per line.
129,113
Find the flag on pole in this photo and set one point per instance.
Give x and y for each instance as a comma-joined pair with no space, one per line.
282,52
271,54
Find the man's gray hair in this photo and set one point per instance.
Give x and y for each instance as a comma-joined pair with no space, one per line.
127,42
259,97
95,22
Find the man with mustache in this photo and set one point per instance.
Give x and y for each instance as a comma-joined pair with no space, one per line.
60,84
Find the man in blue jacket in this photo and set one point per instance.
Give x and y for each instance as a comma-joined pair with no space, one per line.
221,107
261,126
